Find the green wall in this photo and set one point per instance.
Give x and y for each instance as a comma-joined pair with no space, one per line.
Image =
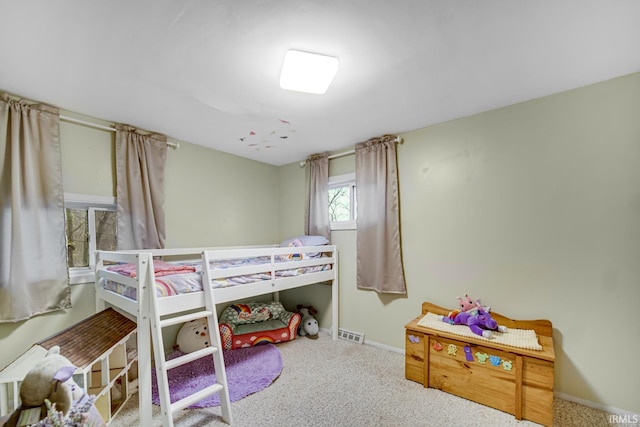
534,208
211,199
217,199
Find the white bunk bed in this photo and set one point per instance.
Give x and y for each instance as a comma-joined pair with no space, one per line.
271,270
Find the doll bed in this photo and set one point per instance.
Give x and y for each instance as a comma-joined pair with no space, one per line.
235,273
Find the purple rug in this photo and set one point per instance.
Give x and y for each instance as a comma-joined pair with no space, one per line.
249,370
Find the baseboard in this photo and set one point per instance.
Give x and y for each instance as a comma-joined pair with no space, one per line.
384,346
595,405
564,396
373,343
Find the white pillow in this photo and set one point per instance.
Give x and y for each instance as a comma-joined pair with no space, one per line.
307,241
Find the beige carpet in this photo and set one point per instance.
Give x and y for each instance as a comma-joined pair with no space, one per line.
339,383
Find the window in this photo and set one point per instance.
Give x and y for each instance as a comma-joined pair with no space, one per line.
342,202
90,225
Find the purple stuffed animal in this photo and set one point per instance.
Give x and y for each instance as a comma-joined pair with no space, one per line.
480,324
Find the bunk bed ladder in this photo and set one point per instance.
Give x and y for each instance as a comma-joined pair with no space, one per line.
163,365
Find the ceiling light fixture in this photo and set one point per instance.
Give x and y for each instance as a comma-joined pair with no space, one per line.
307,72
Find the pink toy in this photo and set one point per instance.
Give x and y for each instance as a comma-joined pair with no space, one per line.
467,305
475,316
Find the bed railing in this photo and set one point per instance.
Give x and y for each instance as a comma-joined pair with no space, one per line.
277,259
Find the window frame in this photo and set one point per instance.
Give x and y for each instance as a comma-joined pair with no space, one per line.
92,203
348,179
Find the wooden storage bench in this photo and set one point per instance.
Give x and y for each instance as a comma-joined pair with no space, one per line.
520,384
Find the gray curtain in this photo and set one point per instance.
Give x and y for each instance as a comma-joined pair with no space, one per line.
317,208
140,164
379,261
33,254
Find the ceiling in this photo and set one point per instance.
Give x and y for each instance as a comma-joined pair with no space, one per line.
207,72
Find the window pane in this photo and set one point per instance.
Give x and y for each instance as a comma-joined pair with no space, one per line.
77,238
339,204
105,230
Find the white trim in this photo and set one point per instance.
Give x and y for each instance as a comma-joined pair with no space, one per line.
594,405
384,346
74,199
81,275
343,225
373,343
336,181
340,180
92,203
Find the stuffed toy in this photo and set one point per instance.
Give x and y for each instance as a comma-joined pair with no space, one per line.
466,305
475,316
480,324
193,335
309,325
296,243
49,379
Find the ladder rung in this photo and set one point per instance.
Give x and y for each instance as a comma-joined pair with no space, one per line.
189,357
196,397
185,318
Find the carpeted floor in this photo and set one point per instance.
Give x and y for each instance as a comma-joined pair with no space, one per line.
249,370
339,383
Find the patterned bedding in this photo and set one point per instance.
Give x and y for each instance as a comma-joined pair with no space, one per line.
168,284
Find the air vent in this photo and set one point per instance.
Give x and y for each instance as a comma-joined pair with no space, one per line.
356,337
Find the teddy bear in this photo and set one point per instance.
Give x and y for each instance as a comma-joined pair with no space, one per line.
193,335
308,325
50,379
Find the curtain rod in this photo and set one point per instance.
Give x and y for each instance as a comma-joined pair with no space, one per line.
172,144
347,153
342,154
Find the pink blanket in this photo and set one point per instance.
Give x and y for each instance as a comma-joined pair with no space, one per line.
160,268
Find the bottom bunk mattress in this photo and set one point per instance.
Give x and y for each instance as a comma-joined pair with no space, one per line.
186,277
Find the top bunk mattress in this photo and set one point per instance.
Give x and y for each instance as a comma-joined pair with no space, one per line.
186,277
